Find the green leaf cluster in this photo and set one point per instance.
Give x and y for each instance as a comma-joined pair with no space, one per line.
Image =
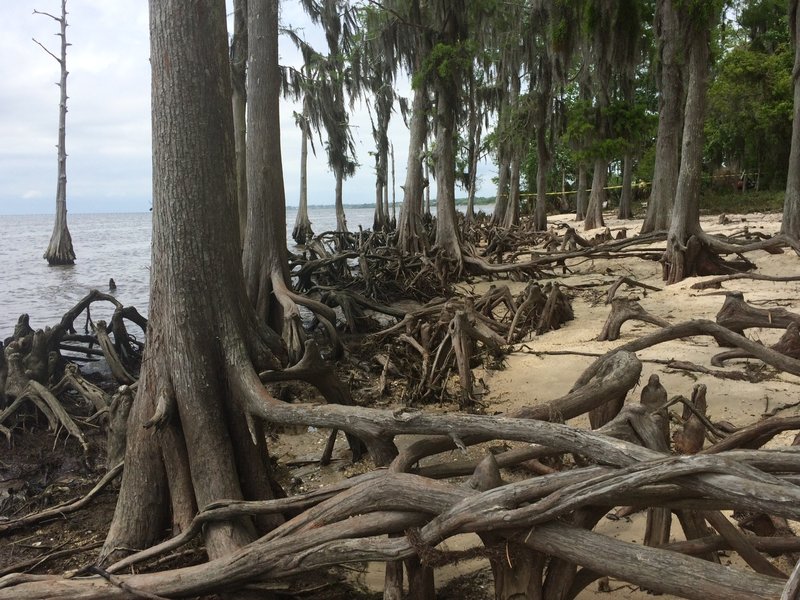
750,100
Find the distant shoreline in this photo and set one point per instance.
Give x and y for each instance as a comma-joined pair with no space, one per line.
484,201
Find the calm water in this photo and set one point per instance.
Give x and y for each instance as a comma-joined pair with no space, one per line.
106,245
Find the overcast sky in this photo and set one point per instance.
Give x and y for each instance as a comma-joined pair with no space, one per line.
108,123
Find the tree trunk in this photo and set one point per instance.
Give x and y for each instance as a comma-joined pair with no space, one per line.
625,210
410,231
239,83
394,189
594,212
341,221
791,206
384,99
202,334
665,173
501,200
427,181
581,197
542,166
447,238
59,250
512,210
683,251
379,218
265,257
473,173
387,226
543,114
302,225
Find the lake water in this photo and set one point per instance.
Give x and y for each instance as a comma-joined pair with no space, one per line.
106,245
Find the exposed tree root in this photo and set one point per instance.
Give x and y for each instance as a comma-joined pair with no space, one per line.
612,291
623,310
312,369
717,282
699,327
737,315
788,345
284,552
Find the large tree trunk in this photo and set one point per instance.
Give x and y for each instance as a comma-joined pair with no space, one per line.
59,250
410,230
265,257
684,249
791,205
239,83
302,225
447,234
594,212
202,332
665,173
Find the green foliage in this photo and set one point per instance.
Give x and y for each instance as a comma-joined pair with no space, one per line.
631,126
766,24
750,111
562,163
701,12
447,62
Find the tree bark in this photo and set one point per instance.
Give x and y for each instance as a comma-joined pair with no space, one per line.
683,245
791,206
594,212
474,131
512,210
202,330
265,257
581,198
239,87
665,174
502,198
625,210
447,234
543,105
410,231
543,164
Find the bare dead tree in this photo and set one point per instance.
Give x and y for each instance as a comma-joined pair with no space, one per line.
59,251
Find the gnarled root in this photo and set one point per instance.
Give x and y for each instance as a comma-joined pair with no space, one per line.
788,345
737,315
623,310
312,369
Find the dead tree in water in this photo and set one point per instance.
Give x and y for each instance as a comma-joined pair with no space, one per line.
59,251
